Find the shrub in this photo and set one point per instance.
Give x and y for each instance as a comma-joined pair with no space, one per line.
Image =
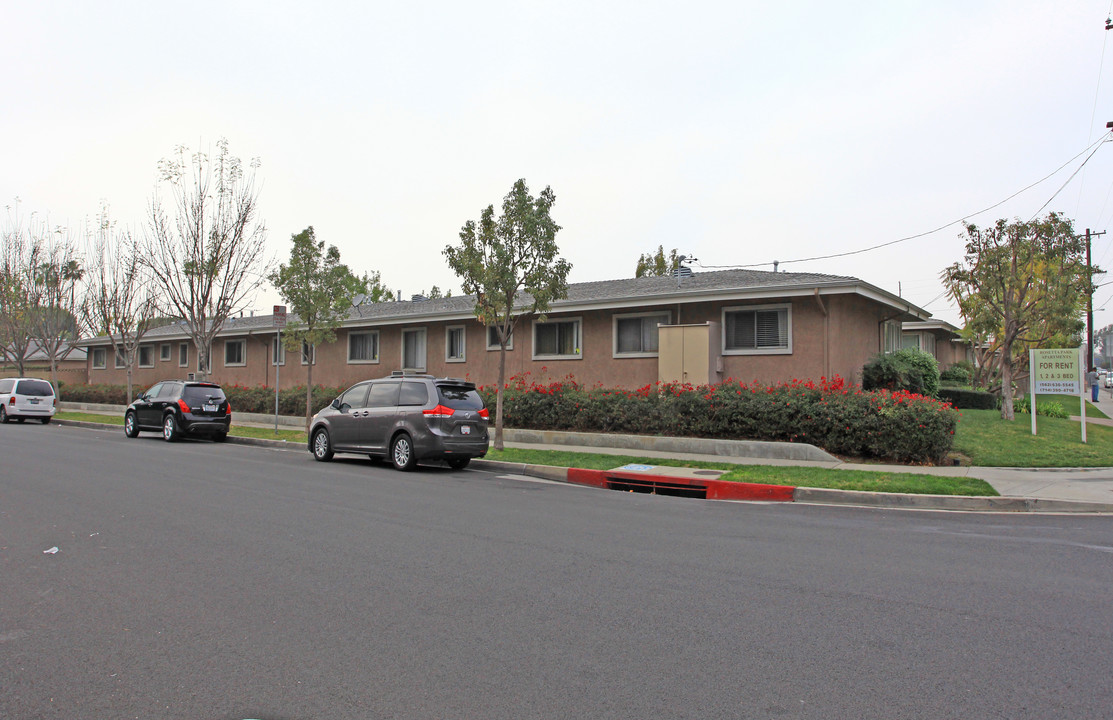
966,399
955,374
258,399
889,372
840,418
1053,409
926,364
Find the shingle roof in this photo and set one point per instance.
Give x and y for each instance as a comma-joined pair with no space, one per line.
623,292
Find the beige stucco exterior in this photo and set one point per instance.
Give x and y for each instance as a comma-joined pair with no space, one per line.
829,334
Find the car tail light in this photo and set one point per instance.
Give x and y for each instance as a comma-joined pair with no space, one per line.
439,411
229,411
11,400
485,414
182,404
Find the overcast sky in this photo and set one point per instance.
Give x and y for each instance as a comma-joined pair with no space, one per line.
737,132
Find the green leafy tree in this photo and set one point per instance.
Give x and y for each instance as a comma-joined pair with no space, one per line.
512,266
657,265
1020,285
319,290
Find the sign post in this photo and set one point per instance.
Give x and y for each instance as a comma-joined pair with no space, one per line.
279,323
1057,372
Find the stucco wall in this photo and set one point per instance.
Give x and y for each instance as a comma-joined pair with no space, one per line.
835,337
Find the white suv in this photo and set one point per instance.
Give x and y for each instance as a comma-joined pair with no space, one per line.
22,398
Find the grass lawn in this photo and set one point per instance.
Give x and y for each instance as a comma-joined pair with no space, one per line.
992,442
1072,406
770,475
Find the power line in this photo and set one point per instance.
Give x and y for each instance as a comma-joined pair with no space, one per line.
1093,148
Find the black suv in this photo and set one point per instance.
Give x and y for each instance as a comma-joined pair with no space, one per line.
406,418
178,408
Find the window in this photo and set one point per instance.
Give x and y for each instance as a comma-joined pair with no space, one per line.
363,347
100,358
234,352
355,397
557,339
146,356
636,335
164,352
928,343
761,329
493,338
413,349
278,352
910,340
413,393
121,360
183,354
454,341
308,354
890,336
383,395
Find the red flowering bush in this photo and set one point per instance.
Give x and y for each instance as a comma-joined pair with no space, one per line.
830,414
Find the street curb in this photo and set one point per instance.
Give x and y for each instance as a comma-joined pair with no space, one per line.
727,490
756,492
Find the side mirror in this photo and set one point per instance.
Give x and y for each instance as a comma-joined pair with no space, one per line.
335,404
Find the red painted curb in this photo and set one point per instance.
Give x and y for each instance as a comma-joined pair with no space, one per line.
669,485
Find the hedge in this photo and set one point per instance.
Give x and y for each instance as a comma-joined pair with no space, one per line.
836,416
258,399
966,399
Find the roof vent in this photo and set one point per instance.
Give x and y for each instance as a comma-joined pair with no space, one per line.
682,272
418,298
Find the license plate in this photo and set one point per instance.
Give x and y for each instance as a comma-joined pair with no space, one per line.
34,401
207,407
465,429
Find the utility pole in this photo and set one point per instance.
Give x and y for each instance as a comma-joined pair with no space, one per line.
1090,302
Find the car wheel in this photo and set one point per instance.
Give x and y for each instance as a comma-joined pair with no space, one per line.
458,463
322,447
131,427
402,453
45,420
3,415
170,430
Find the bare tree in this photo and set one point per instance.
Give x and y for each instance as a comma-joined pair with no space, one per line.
20,250
208,257
55,278
120,298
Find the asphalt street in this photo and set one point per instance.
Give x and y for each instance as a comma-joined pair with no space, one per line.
200,580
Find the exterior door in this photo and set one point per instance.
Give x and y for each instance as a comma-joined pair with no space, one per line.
381,415
346,424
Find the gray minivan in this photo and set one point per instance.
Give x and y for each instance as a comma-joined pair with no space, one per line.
406,418
22,398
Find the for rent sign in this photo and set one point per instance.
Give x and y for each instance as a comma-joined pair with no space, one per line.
1057,372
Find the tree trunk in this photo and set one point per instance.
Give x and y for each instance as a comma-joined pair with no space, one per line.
498,393
1007,381
308,392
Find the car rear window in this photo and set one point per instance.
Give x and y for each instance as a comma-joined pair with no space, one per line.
200,393
34,388
459,397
